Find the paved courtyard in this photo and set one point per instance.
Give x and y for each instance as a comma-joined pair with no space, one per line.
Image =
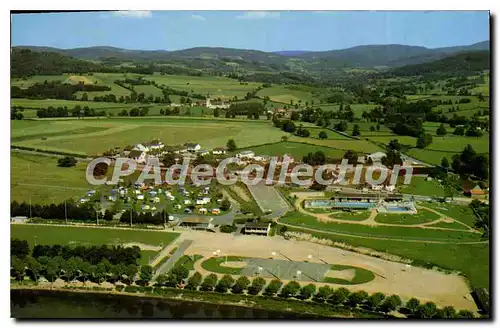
285,270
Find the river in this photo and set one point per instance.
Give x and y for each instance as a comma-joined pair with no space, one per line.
30,304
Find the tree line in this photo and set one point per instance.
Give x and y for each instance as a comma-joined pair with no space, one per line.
55,90
94,263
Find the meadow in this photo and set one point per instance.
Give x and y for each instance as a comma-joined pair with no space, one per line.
288,94
127,131
215,86
295,149
39,179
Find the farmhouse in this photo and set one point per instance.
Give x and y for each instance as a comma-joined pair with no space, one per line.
202,210
257,228
192,147
140,147
19,219
203,152
138,155
219,151
215,104
198,223
246,154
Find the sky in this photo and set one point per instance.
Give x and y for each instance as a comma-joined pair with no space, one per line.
259,30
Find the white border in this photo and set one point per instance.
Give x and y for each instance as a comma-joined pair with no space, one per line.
197,5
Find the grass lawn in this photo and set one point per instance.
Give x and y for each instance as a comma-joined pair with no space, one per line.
147,256
450,225
422,216
50,235
351,216
300,220
472,260
213,264
39,178
362,275
419,186
461,213
188,261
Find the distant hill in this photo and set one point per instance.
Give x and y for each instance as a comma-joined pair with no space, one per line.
291,53
387,55
461,63
244,61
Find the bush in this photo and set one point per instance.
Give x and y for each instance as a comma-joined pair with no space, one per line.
66,161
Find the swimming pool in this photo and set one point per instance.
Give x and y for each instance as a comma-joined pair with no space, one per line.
397,209
353,204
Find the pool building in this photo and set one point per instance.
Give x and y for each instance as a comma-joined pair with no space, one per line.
383,204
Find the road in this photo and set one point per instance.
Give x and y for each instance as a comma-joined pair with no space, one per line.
167,266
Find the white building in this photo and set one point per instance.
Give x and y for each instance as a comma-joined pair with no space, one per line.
390,188
246,154
138,156
377,157
140,147
192,147
219,151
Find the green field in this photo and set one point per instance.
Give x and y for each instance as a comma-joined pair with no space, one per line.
422,216
331,134
362,276
70,104
213,264
149,90
295,149
419,186
351,216
389,232
361,146
40,179
215,86
288,94
123,132
50,235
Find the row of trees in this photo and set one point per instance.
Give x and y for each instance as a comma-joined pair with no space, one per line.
92,254
84,264
54,90
339,297
144,218
65,210
95,263
63,111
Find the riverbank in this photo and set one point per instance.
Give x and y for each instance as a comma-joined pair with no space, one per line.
284,308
